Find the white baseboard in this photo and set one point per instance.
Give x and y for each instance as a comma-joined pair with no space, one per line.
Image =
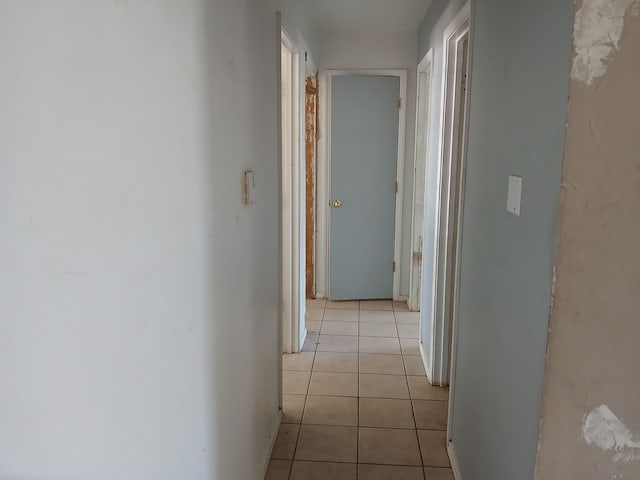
272,442
303,337
425,362
455,466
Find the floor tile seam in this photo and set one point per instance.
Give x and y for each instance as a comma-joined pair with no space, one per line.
413,413
304,406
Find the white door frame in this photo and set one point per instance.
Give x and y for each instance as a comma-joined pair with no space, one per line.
324,175
444,316
290,193
423,117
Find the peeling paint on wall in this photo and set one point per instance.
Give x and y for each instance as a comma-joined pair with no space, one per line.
605,430
597,30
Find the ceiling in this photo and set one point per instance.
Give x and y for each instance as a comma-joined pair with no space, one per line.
368,15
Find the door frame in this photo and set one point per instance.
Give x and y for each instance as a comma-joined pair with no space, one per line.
324,174
446,299
448,293
290,168
421,155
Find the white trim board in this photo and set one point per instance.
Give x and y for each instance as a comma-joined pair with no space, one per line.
290,194
424,79
453,459
323,217
271,444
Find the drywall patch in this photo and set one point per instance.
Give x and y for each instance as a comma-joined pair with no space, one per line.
597,30
604,429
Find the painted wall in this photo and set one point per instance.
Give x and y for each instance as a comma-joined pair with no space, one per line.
380,50
591,393
139,308
518,97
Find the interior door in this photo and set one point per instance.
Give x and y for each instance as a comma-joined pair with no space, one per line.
364,152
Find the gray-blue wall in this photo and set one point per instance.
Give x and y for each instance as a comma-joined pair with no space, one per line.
519,87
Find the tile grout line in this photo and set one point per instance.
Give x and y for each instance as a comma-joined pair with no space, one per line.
413,413
304,406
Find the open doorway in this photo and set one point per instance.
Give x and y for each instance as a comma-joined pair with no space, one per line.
451,194
292,304
423,115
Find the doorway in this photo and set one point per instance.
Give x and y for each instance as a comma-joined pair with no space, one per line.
362,183
451,194
291,223
423,116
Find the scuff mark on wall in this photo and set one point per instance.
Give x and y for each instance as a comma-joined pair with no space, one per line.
597,30
605,430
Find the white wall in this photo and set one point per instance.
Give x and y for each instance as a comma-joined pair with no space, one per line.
139,312
379,50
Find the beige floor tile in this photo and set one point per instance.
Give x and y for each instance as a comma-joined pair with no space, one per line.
338,343
382,345
377,316
339,328
327,444
414,365
278,470
313,326
336,362
434,448
337,315
295,383
408,331
323,471
383,386
344,305
285,443
410,318
323,410
400,306
421,389
386,413
376,305
388,472
431,414
388,447
410,346
334,384
310,342
293,408
316,302
435,473
301,362
378,329
377,363
314,314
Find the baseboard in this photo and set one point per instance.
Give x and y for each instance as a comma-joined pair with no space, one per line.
303,337
402,298
272,442
455,466
425,362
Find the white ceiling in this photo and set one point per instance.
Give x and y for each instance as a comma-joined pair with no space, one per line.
369,15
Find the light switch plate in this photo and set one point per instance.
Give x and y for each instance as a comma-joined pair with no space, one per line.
514,197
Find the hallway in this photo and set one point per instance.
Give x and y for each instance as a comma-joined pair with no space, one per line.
357,403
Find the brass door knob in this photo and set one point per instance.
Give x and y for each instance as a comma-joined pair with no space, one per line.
337,204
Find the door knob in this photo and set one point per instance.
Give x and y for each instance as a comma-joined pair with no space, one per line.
337,204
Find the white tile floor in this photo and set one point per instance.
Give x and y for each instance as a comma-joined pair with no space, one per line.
357,403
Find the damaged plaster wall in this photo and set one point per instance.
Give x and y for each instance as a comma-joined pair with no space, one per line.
591,421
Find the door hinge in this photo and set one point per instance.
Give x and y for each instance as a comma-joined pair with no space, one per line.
399,103
397,187
394,267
